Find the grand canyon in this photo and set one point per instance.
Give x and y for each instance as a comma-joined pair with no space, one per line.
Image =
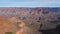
26,20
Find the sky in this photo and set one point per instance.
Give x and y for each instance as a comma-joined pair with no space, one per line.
29,3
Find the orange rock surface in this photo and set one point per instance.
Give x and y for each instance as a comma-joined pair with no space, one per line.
7,26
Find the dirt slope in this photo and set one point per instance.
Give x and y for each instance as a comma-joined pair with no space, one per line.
6,26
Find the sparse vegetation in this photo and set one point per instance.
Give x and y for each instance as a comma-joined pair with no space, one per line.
8,33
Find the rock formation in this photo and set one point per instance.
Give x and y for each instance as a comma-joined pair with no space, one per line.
31,17
6,26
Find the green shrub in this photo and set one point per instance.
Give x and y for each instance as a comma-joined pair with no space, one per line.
8,33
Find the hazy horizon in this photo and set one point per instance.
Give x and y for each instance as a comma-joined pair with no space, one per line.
29,3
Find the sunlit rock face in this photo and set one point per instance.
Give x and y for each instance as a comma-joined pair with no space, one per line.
6,26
